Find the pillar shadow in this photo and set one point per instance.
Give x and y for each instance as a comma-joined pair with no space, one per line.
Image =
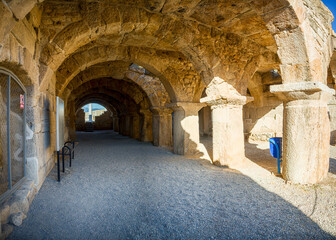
259,153
144,192
206,142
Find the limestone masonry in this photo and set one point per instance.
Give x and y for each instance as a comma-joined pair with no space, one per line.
170,72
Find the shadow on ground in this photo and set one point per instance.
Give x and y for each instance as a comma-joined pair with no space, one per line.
259,153
119,188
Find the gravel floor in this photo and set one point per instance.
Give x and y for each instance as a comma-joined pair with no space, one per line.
119,188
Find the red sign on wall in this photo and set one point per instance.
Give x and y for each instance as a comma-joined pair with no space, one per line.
21,101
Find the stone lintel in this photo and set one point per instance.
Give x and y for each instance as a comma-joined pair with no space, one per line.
233,100
187,106
302,91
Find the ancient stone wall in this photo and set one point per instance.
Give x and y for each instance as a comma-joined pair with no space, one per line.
104,121
263,122
80,120
19,53
229,48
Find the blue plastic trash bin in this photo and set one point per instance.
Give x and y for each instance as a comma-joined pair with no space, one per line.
273,150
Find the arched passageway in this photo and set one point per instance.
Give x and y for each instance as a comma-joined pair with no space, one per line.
171,73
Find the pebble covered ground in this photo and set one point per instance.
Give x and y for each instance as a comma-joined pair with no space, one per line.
120,188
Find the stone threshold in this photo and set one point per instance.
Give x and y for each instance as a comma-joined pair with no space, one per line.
14,209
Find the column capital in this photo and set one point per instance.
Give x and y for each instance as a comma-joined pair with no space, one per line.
230,100
302,91
187,106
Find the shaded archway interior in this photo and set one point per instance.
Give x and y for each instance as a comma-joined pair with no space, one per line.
163,68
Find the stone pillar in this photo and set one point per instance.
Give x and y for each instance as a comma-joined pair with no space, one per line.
162,127
228,130
135,126
147,126
115,124
127,125
186,127
306,131
122,125
228,134
72,122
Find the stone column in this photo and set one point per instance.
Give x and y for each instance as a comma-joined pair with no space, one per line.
72,122
147,126
122,125
127,125
116,124
162,127
306,131
135,131
227,130
186,127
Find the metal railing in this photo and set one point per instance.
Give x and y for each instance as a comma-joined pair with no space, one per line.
67,150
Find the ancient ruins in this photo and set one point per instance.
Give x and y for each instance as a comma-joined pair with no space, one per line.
171,71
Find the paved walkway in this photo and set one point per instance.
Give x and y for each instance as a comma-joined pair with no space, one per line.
119,188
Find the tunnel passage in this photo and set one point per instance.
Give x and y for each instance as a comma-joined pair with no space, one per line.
171,72
95,115
128,94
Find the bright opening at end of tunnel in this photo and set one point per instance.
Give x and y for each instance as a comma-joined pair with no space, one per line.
93,110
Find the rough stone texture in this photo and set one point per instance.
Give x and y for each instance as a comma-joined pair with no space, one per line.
162,127
306,126
6,230
104,121
137,57
14,209
186,128
228,138
80,120
16,218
